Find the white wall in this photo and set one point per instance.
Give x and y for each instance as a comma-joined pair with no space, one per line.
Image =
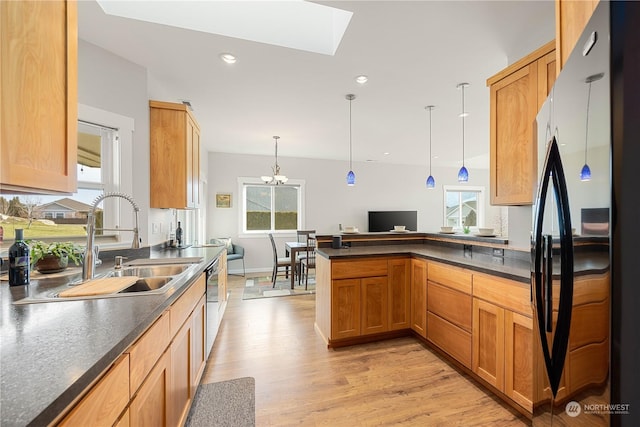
111,83
328,200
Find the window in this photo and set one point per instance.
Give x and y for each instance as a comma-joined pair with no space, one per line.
271,208
54,217
463,206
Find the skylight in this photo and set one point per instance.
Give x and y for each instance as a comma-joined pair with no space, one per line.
294,24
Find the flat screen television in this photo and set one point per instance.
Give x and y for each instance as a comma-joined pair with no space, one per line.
386,220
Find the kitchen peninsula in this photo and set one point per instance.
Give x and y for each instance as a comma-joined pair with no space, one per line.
57,356
466,297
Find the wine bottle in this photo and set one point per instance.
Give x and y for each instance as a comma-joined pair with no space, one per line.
19,261
179,234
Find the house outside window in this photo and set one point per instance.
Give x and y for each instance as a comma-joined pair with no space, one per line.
271,208
463,206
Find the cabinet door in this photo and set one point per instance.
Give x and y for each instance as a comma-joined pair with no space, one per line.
39,102
546,76
345,308
518,360
181,374
105,402
488,343
375,305
571,18
419,296
399,272
150,407
199,352
513,107
193,163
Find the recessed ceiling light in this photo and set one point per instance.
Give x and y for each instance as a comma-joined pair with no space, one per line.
386,153
465,114
228,58
362,79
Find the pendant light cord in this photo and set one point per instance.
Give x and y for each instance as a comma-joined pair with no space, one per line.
463,114
586,133
350,150
430,108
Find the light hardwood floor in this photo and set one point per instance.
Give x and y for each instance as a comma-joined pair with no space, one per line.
301,382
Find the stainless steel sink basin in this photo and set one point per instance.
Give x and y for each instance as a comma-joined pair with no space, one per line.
153,279
148,284
150,271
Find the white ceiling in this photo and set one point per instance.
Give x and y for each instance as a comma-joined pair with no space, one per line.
414,53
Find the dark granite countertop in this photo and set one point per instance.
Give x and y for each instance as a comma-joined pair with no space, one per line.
515,268
51,352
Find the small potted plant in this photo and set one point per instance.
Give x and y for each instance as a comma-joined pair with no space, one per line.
53,257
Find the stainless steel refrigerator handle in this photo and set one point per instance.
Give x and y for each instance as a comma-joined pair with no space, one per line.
548,282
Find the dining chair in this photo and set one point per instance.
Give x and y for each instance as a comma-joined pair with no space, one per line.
309,261
303,235
280,262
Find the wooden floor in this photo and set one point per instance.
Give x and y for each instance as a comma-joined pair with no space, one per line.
301,382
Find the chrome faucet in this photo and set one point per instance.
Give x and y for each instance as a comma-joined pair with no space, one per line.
89,264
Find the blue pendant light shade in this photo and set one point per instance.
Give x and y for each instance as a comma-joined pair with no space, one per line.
351,177
431,182
463,174
585,173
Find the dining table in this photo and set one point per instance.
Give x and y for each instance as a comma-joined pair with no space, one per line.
291,250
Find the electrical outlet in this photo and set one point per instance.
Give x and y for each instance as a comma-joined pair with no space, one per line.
155,228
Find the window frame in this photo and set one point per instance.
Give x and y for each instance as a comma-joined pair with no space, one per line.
480,208
243,182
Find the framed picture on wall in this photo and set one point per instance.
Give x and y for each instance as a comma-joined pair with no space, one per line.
223,200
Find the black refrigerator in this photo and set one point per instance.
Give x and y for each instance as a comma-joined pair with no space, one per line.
585,267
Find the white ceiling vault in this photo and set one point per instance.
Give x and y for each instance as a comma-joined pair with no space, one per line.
414,53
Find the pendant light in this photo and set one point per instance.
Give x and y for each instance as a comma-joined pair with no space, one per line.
463,174
351,177
585,173
277,178
431,182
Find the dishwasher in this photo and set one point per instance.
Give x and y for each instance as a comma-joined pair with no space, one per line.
213,309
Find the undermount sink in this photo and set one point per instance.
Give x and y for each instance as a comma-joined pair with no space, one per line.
147,284
152,279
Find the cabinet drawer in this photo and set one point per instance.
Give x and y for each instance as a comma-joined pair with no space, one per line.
357,269
182,308
592,288
104,403
589,324
450,304
515,296
453,277
449,338
147,350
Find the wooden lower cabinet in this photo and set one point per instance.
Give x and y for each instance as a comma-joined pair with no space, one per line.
375,305
360,307
180,389
518,335
157,376
105,402
488,342
151,405
419,296
399,275
450,338
503,336
345,308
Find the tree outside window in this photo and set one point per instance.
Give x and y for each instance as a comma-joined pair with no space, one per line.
463,206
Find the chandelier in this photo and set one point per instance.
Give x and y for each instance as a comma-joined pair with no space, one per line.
277,178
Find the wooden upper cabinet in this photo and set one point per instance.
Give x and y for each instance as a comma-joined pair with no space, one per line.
175,156
39,102
516,94
571,18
